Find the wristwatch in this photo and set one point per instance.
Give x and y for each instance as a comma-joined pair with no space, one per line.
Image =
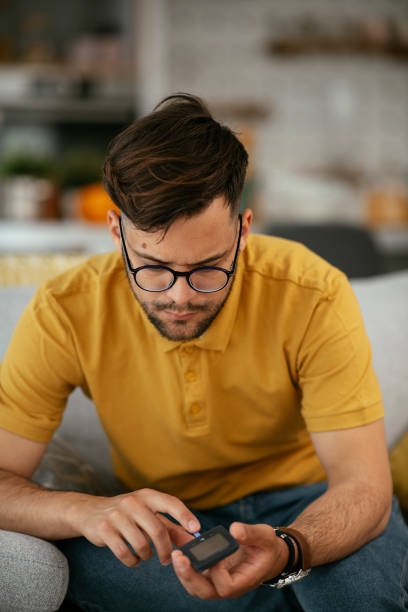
286,579
291,574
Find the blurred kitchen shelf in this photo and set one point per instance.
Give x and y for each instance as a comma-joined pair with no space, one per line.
68,110
19,237
57,93
296,46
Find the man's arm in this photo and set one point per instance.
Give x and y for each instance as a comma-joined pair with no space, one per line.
356,507
354,510
105,521
25,506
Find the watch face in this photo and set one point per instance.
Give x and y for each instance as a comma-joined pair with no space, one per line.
279,583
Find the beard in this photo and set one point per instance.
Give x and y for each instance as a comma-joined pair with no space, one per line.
180,330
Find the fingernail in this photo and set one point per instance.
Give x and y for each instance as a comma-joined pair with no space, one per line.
193,526
166,562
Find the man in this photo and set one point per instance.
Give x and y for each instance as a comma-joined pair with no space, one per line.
233,377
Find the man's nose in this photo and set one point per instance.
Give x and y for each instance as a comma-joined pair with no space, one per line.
181,292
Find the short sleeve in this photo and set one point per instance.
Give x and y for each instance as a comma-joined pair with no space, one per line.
338,385
39,370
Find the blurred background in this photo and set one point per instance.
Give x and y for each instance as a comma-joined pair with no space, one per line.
316,89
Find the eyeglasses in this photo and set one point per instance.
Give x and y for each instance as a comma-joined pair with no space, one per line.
206,279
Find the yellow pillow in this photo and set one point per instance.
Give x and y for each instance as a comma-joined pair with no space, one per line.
399,469
34,269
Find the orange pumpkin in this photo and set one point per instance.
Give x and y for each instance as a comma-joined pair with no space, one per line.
94,203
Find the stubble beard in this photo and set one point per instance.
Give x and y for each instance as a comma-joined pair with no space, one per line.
180,330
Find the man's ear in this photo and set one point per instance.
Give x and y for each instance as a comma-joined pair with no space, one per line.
112,219
247,216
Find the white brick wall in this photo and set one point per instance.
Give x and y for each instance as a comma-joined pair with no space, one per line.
351,110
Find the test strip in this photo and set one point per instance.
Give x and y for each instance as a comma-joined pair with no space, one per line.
197,534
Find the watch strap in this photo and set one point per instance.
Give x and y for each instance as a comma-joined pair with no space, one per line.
304,553
292,572
292,553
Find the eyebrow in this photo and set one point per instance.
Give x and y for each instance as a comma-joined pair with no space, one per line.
196,264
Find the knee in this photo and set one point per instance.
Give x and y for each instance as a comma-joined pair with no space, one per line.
33,573
330,588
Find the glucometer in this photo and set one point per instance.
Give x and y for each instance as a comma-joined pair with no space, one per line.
209,547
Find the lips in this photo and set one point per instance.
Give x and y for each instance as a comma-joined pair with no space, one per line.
180,316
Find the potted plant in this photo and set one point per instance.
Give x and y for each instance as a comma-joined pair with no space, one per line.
28,187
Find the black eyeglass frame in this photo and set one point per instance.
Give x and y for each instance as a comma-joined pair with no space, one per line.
229,273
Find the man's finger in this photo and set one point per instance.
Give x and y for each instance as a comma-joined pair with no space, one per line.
135,536
178,534
195,583
120,549
168,504
156,531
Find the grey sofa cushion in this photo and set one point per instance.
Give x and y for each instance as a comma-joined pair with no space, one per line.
33,574
63,469
384,303
12,303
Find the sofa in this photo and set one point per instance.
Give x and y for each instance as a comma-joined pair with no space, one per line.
78,458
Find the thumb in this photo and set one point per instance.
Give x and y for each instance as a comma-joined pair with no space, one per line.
252,535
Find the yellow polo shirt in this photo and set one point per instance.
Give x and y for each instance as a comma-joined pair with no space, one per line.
212,419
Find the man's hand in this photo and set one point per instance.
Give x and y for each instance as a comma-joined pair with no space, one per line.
261,556
132,520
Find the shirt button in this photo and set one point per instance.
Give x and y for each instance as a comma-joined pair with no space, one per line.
195,408
188,350
191,376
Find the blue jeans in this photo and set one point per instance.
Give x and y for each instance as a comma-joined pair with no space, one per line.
375,578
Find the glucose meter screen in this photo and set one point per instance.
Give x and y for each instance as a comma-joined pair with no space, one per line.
209,547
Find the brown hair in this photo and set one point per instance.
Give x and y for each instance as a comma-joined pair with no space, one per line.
172,163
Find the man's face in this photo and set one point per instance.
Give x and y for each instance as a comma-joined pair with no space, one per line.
207,239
